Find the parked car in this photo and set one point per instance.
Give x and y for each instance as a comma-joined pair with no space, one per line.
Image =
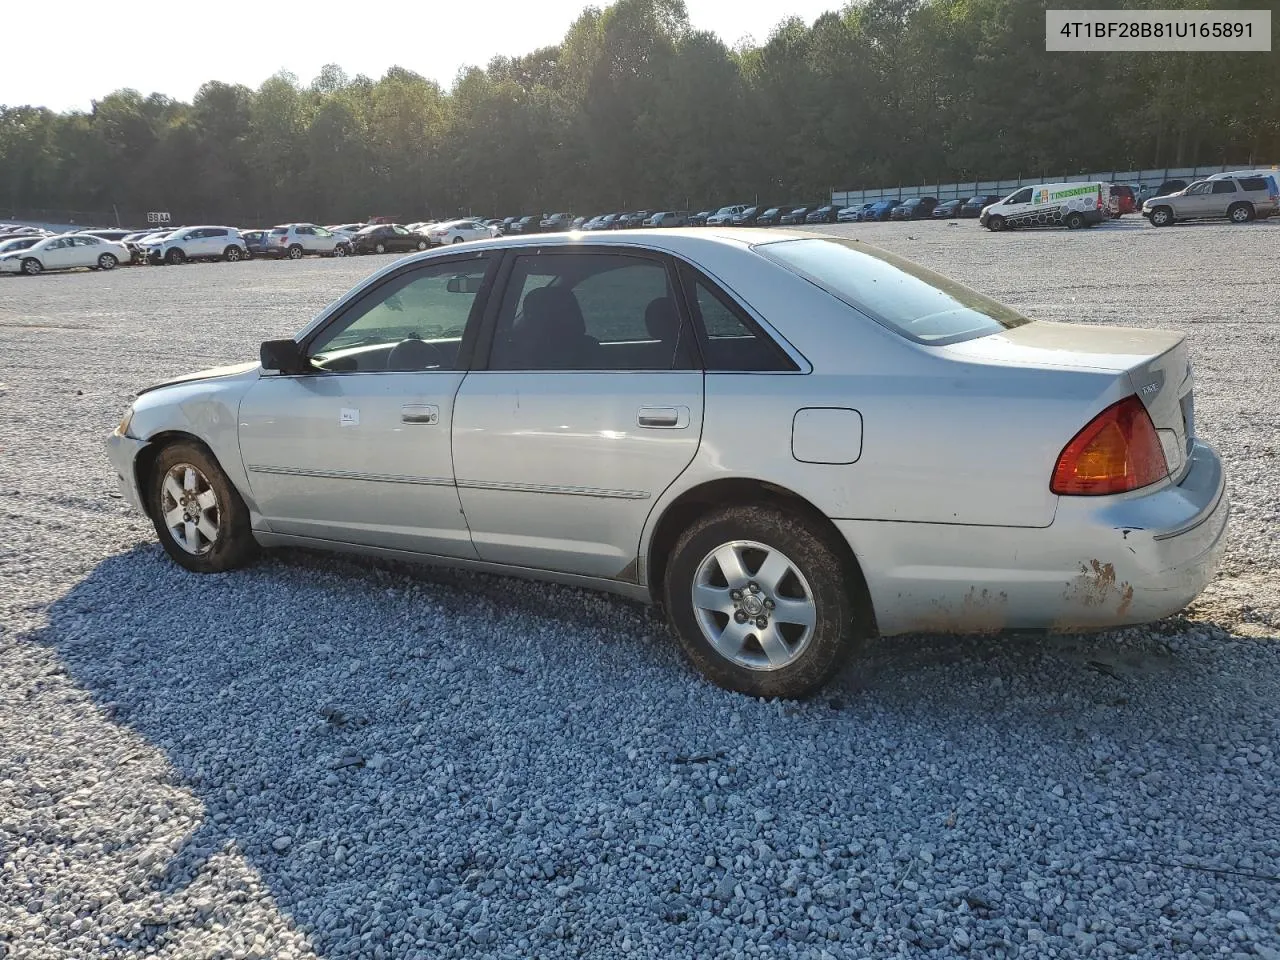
505,227
632,220
853,214
1238,198
771,216
139,244
496,223
948,210
525,225
459,231
522,457
1123,200
1072,205
64,252
295,240
577,223
699,219
827,213
256,241
916,208
724,216
974,206
796,215
667,218
13,244
388,238
199,243
747,218
556,223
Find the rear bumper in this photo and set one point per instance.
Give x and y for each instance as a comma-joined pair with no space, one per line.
1103,562
123,451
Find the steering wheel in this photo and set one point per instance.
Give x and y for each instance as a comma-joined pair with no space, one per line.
413,354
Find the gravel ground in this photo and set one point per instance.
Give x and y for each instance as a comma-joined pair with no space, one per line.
327,758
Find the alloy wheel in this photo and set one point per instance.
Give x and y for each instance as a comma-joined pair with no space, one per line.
754,605
190,508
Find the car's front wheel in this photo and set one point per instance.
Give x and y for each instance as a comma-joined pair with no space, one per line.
422,244
31,266
762,601
995,224
1161,217
175,256
380,248
340,250
232,254
199,516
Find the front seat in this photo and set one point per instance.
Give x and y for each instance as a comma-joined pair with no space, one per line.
662,320
555,332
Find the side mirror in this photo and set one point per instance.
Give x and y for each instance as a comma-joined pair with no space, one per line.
283,355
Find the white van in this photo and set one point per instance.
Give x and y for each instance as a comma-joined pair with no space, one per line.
1071,205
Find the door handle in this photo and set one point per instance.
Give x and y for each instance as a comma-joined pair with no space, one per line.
420,413
663,418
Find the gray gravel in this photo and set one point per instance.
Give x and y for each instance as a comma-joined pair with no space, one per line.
326,758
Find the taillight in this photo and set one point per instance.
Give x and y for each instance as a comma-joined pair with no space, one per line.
1118,451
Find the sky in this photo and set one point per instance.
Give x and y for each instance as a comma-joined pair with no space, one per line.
172,50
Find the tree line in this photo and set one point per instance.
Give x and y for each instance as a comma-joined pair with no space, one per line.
635,108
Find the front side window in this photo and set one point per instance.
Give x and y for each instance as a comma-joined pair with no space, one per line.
413,322
1199,189
589,311
1022,196
895,292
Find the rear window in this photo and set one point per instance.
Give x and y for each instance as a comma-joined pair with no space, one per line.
895,292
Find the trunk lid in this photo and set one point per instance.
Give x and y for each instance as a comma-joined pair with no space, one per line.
1155,362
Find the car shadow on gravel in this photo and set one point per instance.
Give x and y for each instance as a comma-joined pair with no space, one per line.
415,758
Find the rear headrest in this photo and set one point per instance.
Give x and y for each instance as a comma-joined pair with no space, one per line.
554,311
662,320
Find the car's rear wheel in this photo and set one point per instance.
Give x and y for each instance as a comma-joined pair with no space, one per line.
340,250
422,244
199,516
1240,212
232,254
995,224
457,239
1161,217
1075,220
380,248
762,602
107,261
31,266
295,252
175,256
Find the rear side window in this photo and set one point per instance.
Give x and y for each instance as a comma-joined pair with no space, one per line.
1224,186
279,231
895,292
1253,183
729,339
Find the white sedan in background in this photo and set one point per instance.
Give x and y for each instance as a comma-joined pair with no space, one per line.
456,231
65,252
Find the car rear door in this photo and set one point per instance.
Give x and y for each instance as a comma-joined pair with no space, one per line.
589,406
358,450
1224,194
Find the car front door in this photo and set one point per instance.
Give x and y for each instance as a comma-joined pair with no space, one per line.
589,407
1198,200
321,240
357,450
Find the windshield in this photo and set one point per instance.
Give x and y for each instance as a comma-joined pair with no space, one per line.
895,292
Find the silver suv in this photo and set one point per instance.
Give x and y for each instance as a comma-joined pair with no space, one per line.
199,243
296,240
1238,197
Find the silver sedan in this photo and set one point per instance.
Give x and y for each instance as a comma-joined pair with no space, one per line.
791,442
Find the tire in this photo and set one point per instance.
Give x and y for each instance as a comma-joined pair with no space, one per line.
422,244
295,252
802,658
107,261
380,248
174,257
32,267
340,250
1075,220
457,239
1161,217
995,224
233,254
232,544
1240,212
